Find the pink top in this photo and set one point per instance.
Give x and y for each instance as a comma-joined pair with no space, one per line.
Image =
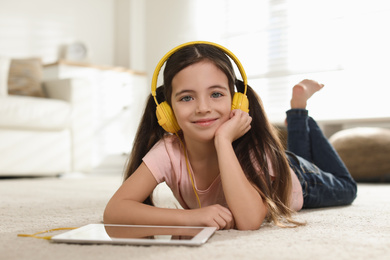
167,163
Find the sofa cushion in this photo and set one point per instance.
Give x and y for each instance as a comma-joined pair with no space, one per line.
18,112
365,151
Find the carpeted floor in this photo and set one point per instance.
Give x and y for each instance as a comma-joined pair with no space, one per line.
360,231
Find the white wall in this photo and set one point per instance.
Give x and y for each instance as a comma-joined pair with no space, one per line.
137,35
38,27
168,24
129,33
147,29
122,33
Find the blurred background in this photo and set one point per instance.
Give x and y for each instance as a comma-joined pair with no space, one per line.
341,43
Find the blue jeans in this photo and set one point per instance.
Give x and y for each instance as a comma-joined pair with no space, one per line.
324,178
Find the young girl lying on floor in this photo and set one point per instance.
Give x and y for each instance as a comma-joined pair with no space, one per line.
225,166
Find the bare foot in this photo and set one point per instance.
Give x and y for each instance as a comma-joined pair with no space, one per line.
303,91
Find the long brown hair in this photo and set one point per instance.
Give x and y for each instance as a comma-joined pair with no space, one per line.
261,143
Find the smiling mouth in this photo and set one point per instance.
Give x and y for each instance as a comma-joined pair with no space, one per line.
205,122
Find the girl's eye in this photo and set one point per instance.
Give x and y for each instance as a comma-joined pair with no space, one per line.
186,98
216,95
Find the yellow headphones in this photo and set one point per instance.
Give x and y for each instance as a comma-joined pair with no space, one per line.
164,113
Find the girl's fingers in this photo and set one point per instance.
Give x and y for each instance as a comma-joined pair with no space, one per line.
225,220
238,124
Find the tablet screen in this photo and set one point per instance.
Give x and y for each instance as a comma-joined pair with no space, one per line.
152,232
136,234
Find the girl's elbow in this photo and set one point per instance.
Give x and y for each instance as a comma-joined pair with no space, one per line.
109,215
249,225
253,223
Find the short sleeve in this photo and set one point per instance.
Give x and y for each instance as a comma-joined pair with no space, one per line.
163,160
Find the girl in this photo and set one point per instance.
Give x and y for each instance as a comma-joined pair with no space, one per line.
227,168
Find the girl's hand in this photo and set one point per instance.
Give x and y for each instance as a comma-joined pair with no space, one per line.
238,124
213,216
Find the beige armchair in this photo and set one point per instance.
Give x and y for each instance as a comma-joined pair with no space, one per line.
45,135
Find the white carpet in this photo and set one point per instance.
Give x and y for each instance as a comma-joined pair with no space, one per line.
360,231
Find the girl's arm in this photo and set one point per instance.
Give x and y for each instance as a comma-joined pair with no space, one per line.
126,207
244,200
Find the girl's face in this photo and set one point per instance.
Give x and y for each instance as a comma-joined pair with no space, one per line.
201,100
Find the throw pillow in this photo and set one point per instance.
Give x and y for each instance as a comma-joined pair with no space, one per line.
365,151
25,76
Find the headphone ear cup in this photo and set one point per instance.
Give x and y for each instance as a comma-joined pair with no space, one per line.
166,119
240,101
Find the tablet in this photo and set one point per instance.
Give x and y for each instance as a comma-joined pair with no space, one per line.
136,235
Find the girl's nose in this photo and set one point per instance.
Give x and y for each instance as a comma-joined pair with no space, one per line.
203,106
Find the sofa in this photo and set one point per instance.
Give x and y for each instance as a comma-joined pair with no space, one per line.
45,134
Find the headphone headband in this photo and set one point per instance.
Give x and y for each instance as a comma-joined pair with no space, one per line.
169,54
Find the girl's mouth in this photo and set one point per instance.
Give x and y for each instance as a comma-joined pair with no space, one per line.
205,122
